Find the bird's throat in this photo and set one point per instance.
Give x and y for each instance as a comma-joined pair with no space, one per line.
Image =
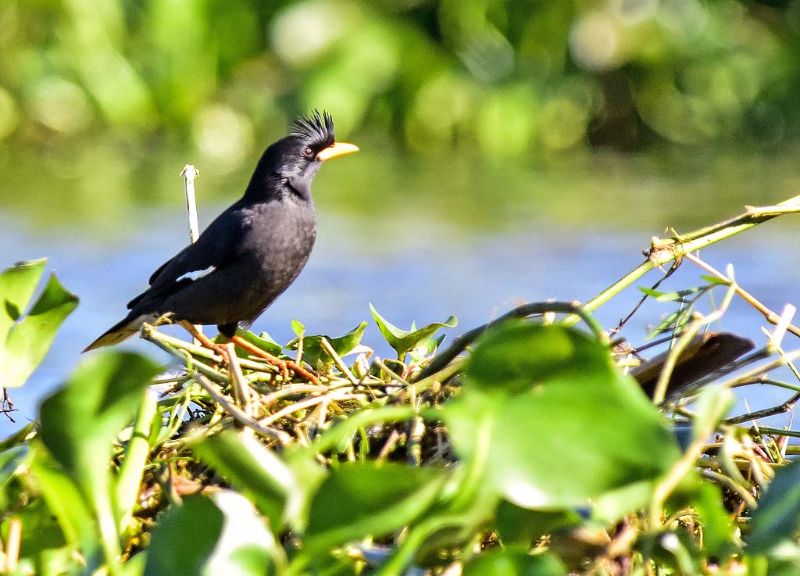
298,188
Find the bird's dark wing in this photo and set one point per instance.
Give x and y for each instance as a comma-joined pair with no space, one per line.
215,248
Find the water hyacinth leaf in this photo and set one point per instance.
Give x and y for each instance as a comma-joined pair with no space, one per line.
104,391
520,526
542,398
714,518
778,514
716,281
65,502
252,468
29,339
511,562
17,285
404,340
425,348
674,550
204,536
316,356
41,532
367,499
676,296
12,462
613,505
263,341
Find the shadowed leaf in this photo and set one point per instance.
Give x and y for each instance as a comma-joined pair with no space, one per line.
778,514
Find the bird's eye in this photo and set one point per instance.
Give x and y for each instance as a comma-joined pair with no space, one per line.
308,152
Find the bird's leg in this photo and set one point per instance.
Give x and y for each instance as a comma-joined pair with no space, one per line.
205,341
284,365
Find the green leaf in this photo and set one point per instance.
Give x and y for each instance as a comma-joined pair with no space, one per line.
778,514
29,339
716,522
613,505
263,341
404,340
520,526
314,354
80,421
209,537
252,468
363,499
539,399
65,502
676,296
514,563
672,550
17,285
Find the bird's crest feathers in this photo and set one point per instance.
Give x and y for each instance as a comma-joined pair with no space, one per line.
316,128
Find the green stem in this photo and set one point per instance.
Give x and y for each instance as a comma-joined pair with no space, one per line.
130,473
665,251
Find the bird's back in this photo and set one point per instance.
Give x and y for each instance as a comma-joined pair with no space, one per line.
275,244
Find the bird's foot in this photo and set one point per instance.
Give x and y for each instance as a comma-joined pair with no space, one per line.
164,319
284,365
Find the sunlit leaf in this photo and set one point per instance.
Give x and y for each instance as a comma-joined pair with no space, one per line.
675,296
17,285
252,468
404,340
541,398
316,356
263,341
29,339
613,505
362,499
210,536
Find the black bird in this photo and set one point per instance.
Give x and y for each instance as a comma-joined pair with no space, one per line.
252,252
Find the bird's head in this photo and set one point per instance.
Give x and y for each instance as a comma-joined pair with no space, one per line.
291,163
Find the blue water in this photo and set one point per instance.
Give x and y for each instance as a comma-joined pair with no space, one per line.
432,271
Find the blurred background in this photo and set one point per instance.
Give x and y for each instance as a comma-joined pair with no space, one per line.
511,151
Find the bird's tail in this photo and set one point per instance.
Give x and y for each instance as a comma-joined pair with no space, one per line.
123,329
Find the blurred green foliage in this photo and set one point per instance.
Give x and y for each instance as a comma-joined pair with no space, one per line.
505,77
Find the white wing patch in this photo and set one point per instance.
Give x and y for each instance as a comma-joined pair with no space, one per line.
197,274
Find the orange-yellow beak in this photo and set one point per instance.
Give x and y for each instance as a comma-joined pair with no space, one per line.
335,150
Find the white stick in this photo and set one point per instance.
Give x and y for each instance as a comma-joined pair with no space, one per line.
189,174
